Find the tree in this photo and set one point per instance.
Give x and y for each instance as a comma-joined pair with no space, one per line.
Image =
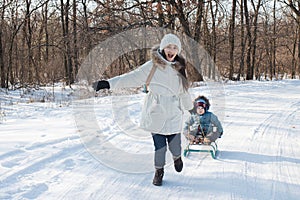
46,41
254,42
242,42
231,39
75,45
2,70
295,7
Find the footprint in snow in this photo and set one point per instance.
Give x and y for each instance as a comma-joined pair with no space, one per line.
35,191
69,164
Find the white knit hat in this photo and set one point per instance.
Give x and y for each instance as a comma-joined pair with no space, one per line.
170,39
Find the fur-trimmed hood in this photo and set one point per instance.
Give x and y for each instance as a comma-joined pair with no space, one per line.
160,61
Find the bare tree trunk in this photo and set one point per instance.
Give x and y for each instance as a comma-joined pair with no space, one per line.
213,40
231,40
242,42
194,74
75,45
28,39
67,54
253,46
249,74
2,69
2,61
206,38
199,15
15,28
298,20
62,7
294,62
46,33
161,18
87,38
274,39
268,48
181,16
39,41
68,46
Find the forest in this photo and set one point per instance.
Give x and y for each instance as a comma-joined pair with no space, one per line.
45,41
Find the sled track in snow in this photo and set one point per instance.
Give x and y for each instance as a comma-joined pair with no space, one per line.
22,154
273,135
27,164
79,185
35,146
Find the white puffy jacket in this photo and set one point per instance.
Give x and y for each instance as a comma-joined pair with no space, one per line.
164,103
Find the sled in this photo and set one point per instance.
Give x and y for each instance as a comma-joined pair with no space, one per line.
211,148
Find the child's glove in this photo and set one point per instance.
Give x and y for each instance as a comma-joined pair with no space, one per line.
221,134
98,85
206,141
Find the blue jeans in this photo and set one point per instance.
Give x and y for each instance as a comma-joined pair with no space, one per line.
160,144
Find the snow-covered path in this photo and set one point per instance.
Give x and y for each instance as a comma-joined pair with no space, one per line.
43,154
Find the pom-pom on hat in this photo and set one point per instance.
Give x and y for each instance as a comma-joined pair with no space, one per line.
170,39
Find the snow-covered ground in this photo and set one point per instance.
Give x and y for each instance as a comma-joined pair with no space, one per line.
48,150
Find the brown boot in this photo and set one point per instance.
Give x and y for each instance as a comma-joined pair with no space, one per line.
178,164
159,174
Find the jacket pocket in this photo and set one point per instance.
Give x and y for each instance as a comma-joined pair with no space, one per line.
157,117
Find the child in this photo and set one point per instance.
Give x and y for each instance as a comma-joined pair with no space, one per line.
201,125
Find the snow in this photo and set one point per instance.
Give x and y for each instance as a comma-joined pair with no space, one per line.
65,148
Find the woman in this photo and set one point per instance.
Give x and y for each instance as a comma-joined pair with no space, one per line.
165,101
